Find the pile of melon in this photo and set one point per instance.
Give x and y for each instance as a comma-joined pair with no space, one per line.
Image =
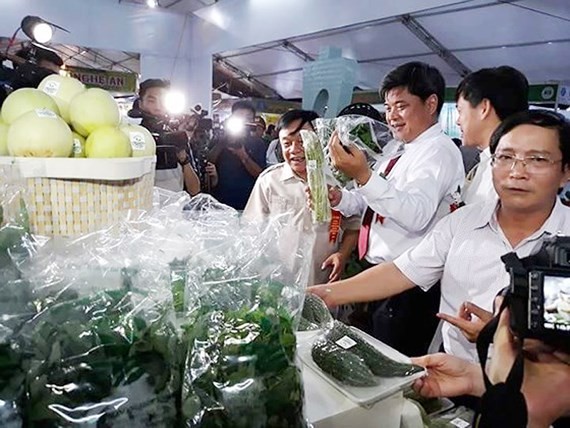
61,118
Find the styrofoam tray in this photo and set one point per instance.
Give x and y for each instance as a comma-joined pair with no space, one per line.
362,395
82,168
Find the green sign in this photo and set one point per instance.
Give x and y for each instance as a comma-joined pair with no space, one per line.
113,81
545,93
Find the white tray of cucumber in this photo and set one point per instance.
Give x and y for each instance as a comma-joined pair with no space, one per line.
355,369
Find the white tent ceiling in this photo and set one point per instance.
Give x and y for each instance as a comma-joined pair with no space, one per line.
531,35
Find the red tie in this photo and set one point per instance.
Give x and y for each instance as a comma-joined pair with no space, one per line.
364,233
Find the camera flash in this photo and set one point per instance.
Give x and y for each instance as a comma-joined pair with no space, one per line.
174,102
235,125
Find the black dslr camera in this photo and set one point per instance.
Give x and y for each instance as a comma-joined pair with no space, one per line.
539,293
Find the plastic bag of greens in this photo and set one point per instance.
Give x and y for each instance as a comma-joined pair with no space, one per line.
369,135
103,349
324,129
243,306
315,159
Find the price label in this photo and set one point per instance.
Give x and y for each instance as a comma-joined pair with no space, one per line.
460,423
51,87
76,146
312,165
42,112
345,342
137,140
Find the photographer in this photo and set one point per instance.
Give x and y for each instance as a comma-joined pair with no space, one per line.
238,156
530,162
545,384
30,65
175,166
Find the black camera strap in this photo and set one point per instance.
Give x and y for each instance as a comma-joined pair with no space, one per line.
503,404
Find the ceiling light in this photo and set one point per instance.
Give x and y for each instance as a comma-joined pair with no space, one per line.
152,3
38,29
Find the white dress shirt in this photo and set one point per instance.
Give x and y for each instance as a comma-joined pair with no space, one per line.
419,190
278,190
463,251
479,188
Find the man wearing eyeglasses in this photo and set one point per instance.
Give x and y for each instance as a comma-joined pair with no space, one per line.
530,162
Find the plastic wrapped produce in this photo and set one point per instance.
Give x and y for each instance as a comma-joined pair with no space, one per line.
109,329
243,305
321,212
374,138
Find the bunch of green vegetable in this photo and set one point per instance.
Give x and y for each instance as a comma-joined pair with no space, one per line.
240,370
315,159
364,135
100,361
325,129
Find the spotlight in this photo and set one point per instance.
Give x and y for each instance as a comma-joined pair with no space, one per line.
152,3
38,29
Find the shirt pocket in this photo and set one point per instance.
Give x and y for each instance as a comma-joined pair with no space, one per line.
279,204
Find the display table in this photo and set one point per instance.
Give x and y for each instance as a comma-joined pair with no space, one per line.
326,407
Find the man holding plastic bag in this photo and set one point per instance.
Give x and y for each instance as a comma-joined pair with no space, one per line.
403,197
281,189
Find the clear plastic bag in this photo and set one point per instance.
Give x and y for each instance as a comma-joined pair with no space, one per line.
15,298
103,330
374,138
243,307
316,177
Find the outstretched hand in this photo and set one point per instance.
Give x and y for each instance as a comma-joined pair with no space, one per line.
470,320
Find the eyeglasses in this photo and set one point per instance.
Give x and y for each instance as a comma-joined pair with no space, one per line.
533,164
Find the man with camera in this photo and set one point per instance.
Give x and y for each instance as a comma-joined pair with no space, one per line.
544,381
30,65
175,169
530,162
239,157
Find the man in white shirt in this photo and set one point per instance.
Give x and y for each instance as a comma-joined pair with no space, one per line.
531,161
400,202
484,99
281,189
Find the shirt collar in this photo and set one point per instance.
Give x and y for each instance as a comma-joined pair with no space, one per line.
553,225
432,132
485,155
288,174
488,214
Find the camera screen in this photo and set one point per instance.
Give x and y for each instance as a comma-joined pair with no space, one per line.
557,303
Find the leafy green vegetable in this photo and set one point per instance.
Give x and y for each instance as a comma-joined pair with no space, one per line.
99,359
363,133
315,159
240,369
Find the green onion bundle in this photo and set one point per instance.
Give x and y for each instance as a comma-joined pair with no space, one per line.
315,158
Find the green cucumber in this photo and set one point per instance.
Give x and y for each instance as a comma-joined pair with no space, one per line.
315,310
378,363
306,325
344,366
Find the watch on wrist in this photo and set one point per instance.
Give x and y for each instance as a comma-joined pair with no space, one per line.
185,161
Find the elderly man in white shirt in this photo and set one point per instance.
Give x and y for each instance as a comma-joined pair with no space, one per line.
281,189
531,161
484,99
403,200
